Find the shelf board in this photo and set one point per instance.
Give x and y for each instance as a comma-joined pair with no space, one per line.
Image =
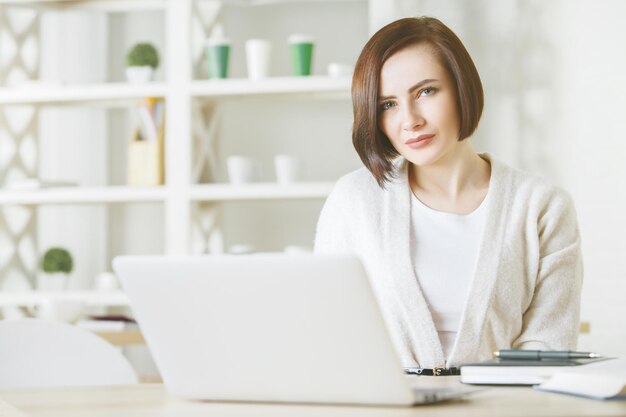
143,5
95,5
82,195
241,87
67,94
128,194
271,2
123,93
247,3
90,298
260,191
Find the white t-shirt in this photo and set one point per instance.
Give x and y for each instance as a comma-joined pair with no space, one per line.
444,247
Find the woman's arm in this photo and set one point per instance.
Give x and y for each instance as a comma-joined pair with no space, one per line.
552,319
332,235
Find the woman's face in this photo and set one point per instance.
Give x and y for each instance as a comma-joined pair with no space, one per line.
417,106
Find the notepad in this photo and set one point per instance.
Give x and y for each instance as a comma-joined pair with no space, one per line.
517,372
601,381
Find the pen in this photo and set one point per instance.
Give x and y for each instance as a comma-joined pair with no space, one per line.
543,354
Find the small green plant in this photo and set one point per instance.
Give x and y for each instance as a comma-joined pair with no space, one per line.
57,260
143,54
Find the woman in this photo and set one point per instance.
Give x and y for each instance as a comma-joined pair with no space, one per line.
466,255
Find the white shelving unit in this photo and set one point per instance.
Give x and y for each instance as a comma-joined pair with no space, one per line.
91,5
206,192
90,298
260,191
313,86
123,93
83,195
45,94
181,195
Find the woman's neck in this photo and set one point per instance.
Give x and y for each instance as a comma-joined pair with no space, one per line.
456,183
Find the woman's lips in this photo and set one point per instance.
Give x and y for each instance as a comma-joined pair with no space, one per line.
418,142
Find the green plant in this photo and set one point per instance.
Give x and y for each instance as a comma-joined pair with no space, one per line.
143,54
57,260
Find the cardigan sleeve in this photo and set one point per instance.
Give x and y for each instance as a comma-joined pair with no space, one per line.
332,234
552,319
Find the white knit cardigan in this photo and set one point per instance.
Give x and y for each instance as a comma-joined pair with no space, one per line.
525,292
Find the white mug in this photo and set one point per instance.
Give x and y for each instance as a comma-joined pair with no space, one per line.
241,169
258,58
288,169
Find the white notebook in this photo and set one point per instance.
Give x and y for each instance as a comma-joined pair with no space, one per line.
600,380
518,372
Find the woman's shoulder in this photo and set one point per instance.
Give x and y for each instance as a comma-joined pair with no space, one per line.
356,183
528,187
354,192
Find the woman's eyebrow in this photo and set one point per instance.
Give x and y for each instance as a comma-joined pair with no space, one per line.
412,88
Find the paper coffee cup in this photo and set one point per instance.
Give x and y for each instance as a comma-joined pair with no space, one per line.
258,58
301,53
217,55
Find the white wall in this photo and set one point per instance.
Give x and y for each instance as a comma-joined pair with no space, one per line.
593,100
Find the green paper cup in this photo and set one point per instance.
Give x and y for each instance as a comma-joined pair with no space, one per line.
217,54
301,54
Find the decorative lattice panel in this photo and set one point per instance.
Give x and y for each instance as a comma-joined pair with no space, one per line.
19,61
206,232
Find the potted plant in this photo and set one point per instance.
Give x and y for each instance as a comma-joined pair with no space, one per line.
56,264
141,61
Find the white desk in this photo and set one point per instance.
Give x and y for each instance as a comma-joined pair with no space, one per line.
152,400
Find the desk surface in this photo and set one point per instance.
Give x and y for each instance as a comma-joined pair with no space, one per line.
152,400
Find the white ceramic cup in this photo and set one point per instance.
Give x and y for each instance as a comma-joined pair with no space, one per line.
338,70
258,58
297,250
107,281
67,311
288,169
241,169
241,249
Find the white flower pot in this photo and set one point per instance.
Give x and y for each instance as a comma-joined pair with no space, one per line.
139,75
53,282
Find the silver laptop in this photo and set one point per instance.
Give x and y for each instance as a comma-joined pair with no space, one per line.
272,327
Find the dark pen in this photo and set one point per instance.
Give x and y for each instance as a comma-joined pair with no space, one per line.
543,354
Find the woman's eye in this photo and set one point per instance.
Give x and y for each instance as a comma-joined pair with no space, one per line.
428,91
386,105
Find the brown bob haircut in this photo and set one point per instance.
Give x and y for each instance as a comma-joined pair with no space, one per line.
372,145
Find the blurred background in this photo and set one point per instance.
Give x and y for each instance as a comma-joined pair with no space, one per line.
554,87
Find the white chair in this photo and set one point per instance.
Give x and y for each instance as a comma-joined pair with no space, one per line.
40,353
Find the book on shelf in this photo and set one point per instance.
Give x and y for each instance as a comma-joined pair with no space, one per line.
601,381
517,372
145,151
107,323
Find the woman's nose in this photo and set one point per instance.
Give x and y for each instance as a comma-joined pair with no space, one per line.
411,118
